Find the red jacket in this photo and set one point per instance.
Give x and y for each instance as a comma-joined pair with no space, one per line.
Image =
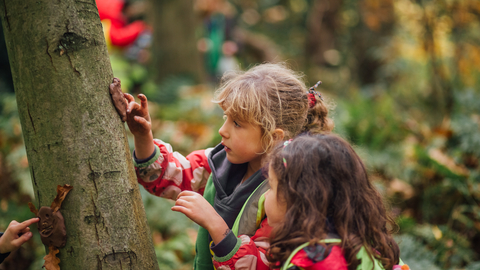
334,261
120,33
168,173
249,253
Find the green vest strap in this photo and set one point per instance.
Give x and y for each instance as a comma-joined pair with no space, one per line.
252,210
203,257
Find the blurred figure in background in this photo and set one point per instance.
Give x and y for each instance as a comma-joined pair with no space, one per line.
122,31
217,43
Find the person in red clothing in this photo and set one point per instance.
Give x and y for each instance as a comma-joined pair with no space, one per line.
121,33
325,212
132,38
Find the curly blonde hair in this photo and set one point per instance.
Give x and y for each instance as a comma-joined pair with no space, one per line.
272,96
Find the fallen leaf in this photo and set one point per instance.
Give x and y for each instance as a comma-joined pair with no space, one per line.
61,194
33,209
447,161
401,187
437,233
51,260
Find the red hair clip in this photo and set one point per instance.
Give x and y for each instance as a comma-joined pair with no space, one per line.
311,95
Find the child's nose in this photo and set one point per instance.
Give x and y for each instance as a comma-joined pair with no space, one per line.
223,131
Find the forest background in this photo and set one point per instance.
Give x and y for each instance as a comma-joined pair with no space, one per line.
402,76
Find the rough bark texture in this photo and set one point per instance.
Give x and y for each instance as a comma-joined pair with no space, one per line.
174,44
72,133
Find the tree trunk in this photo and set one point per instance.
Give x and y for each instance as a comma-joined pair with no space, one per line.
322,25
73,135
174,47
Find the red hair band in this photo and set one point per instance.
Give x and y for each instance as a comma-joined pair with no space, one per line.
311,95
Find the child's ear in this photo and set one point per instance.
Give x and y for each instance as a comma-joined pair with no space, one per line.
278,134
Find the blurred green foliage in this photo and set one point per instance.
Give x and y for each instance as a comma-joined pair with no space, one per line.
403,76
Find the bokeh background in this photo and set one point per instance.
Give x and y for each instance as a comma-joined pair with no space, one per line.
401,75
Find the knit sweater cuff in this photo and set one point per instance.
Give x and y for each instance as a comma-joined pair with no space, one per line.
140,163
225,249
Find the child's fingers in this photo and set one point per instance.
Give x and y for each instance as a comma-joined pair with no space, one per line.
180,209
29,222
129,97
23,231
181,202
184,210
23,227
16,228
185,193
142,121
143,100
22,239
184,205
187,196
131,106
13,223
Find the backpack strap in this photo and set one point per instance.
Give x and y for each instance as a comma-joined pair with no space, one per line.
252,209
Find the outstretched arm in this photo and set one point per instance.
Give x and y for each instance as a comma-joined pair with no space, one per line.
248,251
139,123
15,235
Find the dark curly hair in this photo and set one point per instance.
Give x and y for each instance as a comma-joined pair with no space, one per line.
326,180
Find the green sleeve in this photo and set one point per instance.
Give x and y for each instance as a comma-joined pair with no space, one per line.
203,257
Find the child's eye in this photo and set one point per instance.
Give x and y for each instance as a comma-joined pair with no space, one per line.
236,124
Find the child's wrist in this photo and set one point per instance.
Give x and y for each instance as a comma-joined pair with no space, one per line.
144,146
3,248
218,229
143,136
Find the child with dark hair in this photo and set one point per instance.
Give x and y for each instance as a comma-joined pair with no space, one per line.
325,212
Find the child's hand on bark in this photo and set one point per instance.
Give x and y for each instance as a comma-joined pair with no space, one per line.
138,118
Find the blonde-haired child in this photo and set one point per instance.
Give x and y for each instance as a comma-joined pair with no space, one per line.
264,105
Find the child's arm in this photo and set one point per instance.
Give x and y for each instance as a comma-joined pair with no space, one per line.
15,235
247,251
161,171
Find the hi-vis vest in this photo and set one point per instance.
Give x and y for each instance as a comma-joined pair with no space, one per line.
247,222
252,210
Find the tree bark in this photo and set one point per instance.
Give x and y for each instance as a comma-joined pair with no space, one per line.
174,46
73,135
